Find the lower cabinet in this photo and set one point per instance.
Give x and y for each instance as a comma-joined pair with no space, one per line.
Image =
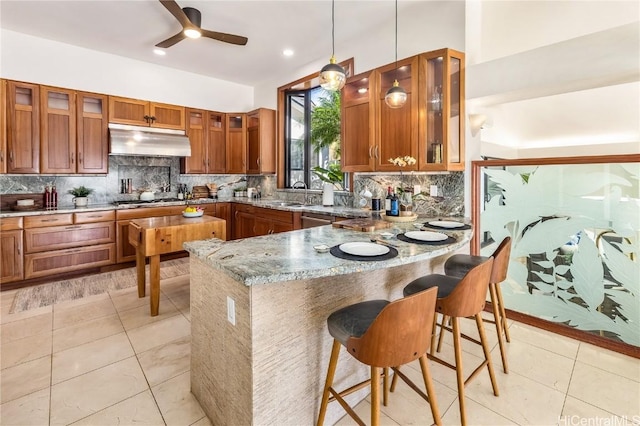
61,243
11,256
250,221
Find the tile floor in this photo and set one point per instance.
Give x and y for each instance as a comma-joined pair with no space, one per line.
103,360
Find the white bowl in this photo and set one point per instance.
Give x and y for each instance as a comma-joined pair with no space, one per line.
193,214
321,248
386,235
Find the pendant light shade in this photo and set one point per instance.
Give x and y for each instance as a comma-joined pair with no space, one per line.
396,96
332,75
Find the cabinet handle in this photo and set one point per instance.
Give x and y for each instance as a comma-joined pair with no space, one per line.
49,220
153,118
17,248
71,158
80,158
1,156
147,118
11,156
370,148
258,162
378,152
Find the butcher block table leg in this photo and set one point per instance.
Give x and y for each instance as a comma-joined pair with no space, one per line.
140,259
154,273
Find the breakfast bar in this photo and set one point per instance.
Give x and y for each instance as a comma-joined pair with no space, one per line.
259,344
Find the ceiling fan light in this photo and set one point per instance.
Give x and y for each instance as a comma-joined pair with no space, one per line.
332,76
396,96
192,33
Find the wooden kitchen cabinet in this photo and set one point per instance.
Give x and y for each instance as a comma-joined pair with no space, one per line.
144,113
243,220
11,250
250,221
358,123
23,127
58,130
236,143
92,128
441,129
261,141
206,132
223,211
3,126
66,242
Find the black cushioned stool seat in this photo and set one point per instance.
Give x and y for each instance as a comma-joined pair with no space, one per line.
459,264
444,283
382,335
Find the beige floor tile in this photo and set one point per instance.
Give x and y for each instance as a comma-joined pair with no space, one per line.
6,317
177,404
159,333
447,376
181,302
538,364
90,356
25,378
88,331
26,349
89,393
521,399
608,391
543,339
70,304
576,412
610,361
32,410
476,414
26,327
202,422
70,316
137,410
141,315
173,285
363,410
128,299
164,362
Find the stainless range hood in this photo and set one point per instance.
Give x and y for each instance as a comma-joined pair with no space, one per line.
150,141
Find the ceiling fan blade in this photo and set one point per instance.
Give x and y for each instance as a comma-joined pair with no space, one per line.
227,38
172,40
176,11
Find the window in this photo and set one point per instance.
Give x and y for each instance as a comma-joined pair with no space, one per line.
312,138
309,134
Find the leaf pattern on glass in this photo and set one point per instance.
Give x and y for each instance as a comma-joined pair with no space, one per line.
587,273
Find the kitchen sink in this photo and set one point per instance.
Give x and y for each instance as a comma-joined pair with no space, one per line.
285,204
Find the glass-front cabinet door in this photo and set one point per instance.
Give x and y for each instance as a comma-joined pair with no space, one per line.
441,130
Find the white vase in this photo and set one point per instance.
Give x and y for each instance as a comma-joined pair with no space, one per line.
81,201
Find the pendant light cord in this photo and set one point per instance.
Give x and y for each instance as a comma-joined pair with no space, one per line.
396,34
333,29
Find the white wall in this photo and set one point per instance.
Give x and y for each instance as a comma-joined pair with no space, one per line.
422,26
38,60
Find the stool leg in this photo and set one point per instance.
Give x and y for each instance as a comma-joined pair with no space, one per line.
442,330
503,313
498,321
385,386
394,380
487,355
333,362
459,374
434,331
375,396
431,393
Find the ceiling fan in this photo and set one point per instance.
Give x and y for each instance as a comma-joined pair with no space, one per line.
190,19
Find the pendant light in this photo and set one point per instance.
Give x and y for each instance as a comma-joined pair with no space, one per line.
396,96
332,75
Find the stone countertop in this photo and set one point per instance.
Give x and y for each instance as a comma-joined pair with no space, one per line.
341,211
290,255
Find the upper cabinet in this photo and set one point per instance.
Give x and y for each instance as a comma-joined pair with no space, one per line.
206,132
428,127
74,131
3,126
23,127
441,110
236,143
144,113
261,142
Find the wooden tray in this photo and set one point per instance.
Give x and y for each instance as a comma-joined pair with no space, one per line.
411,218
362,224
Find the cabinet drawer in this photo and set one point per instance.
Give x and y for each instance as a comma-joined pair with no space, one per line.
276,215
143,212
92,217
11,223
48,220
61,261
62,237
244,208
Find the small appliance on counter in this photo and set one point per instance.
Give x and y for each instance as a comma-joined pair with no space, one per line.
327,194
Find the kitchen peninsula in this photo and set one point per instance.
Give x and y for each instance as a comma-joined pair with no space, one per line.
259,344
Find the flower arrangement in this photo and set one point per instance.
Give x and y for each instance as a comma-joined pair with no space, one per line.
403,161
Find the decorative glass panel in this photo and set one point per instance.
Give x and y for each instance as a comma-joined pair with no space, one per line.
575,233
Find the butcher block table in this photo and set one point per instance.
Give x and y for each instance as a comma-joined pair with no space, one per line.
160,235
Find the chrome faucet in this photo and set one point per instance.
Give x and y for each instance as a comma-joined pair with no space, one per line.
306,198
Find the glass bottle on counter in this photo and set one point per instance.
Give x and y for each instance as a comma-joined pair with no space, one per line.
46,200
387,202
54,197
395,205
180,193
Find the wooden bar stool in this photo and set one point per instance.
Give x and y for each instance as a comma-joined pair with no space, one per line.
459,299
382,335
459,264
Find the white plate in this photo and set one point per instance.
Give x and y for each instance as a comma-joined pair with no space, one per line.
364,249
446,224
425,236
193,214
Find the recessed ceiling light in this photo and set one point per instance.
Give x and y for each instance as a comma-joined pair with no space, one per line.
160,52
287,52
